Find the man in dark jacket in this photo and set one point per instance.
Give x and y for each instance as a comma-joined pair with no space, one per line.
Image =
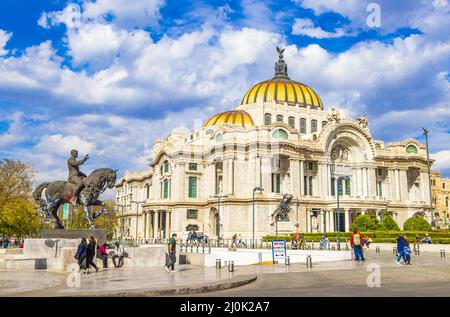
91,251
357,243
401,244
81,254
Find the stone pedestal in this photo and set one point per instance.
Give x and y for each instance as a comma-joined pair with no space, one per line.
98,234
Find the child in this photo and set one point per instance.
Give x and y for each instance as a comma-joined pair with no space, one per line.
407,254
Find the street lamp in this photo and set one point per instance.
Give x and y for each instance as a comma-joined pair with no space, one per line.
339,184
425,132
260,189
218,196
137,214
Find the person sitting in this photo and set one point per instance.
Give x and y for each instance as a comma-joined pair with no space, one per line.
118,253
103,255
427,239
367,241
295,241
324,242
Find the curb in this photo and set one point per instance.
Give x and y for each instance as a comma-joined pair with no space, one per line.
195,289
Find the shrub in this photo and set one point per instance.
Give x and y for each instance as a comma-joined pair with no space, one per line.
388,223
365,223
416,224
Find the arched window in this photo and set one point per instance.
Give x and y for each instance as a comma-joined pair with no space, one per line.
219,138
267,119
313,126
303,126
291,122
280,134
279,118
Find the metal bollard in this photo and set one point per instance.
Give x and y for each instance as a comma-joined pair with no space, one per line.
377,249
333,248
287,261
231,266
192,248
312,245
209,247
308,261
394,250
197,248
442,253
218,264
203,248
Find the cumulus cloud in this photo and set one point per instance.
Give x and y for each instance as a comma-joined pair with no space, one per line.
4,37
306,27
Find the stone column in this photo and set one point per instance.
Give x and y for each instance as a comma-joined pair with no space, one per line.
309,213
347,220
391,179
397,184
364,174
332,228
168,229
404,185
294,167
425,187
322,221
302,178
372,182
266,174
155,224
359,182
328,193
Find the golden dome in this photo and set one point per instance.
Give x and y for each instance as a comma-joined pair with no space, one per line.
281,89
235,117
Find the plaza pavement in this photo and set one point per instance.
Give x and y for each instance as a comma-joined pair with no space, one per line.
429,275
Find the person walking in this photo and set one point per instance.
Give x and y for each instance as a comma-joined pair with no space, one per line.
81,254
357,243
171,257
401,244
91,250
407,253
103,255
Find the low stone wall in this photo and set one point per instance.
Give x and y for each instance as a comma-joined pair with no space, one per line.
57,254
254,256
422,247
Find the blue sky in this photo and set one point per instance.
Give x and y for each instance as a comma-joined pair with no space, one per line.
109,78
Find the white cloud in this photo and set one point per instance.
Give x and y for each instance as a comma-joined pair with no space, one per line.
60,145
442,160
70,16
306,27
141,13
4,37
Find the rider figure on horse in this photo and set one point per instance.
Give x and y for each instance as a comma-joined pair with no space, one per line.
75,176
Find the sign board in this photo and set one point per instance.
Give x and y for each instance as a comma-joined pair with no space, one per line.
278,250
66,209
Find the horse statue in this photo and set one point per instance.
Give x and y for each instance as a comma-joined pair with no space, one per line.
51,195
283,208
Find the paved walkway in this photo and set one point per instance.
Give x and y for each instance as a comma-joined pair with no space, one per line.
190,279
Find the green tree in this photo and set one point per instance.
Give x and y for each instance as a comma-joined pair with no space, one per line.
18,215
416,224
365,223
388,223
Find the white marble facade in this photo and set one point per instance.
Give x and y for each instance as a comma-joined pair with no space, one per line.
283,147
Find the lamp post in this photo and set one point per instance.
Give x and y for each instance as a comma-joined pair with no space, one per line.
260,189
218,196
122,221
425,132
339,185
137,214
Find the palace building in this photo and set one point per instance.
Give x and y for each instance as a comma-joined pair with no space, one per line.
283,139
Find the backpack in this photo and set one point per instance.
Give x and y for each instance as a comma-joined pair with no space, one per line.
356,239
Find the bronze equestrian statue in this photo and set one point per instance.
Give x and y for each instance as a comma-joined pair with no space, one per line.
79,189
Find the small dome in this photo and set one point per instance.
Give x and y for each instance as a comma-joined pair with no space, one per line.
281,89
235,117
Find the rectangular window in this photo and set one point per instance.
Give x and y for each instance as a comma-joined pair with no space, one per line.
347,186
192,166
291,122
333,186
311,166
192,187
303,126
305,185
166,167
339,184
379,189
166,189
276,183
148,191
313,126
311,185
192,214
